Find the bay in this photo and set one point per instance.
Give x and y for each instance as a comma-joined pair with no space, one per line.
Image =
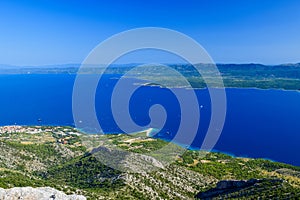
259,123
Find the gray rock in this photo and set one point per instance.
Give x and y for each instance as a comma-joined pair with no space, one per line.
42,193
228,184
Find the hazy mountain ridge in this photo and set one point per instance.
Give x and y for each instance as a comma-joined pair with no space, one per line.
285,76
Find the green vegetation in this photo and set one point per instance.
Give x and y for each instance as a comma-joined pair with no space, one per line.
85,172
16,179
234,75
59,160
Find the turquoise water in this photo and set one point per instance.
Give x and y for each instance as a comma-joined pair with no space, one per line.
259,123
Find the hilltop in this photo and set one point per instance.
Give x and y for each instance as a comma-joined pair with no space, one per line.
284,76
68,160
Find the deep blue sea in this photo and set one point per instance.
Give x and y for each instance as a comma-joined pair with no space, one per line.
259,123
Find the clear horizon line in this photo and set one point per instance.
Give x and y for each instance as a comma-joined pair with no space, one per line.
140,63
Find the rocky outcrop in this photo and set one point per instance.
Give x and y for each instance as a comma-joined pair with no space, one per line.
235,184
42,193
229,186
126,161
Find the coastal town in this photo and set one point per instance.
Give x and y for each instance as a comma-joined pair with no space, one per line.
20,129
60,134
38,129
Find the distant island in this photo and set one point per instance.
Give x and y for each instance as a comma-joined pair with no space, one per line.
285,76
56,157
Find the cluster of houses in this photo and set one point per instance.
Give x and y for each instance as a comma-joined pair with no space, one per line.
20,129
63,134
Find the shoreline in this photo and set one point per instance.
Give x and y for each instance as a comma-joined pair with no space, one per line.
145,84
148,134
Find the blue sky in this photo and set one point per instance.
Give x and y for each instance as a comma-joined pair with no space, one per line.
40,32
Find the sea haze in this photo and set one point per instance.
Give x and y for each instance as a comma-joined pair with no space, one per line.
259,123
